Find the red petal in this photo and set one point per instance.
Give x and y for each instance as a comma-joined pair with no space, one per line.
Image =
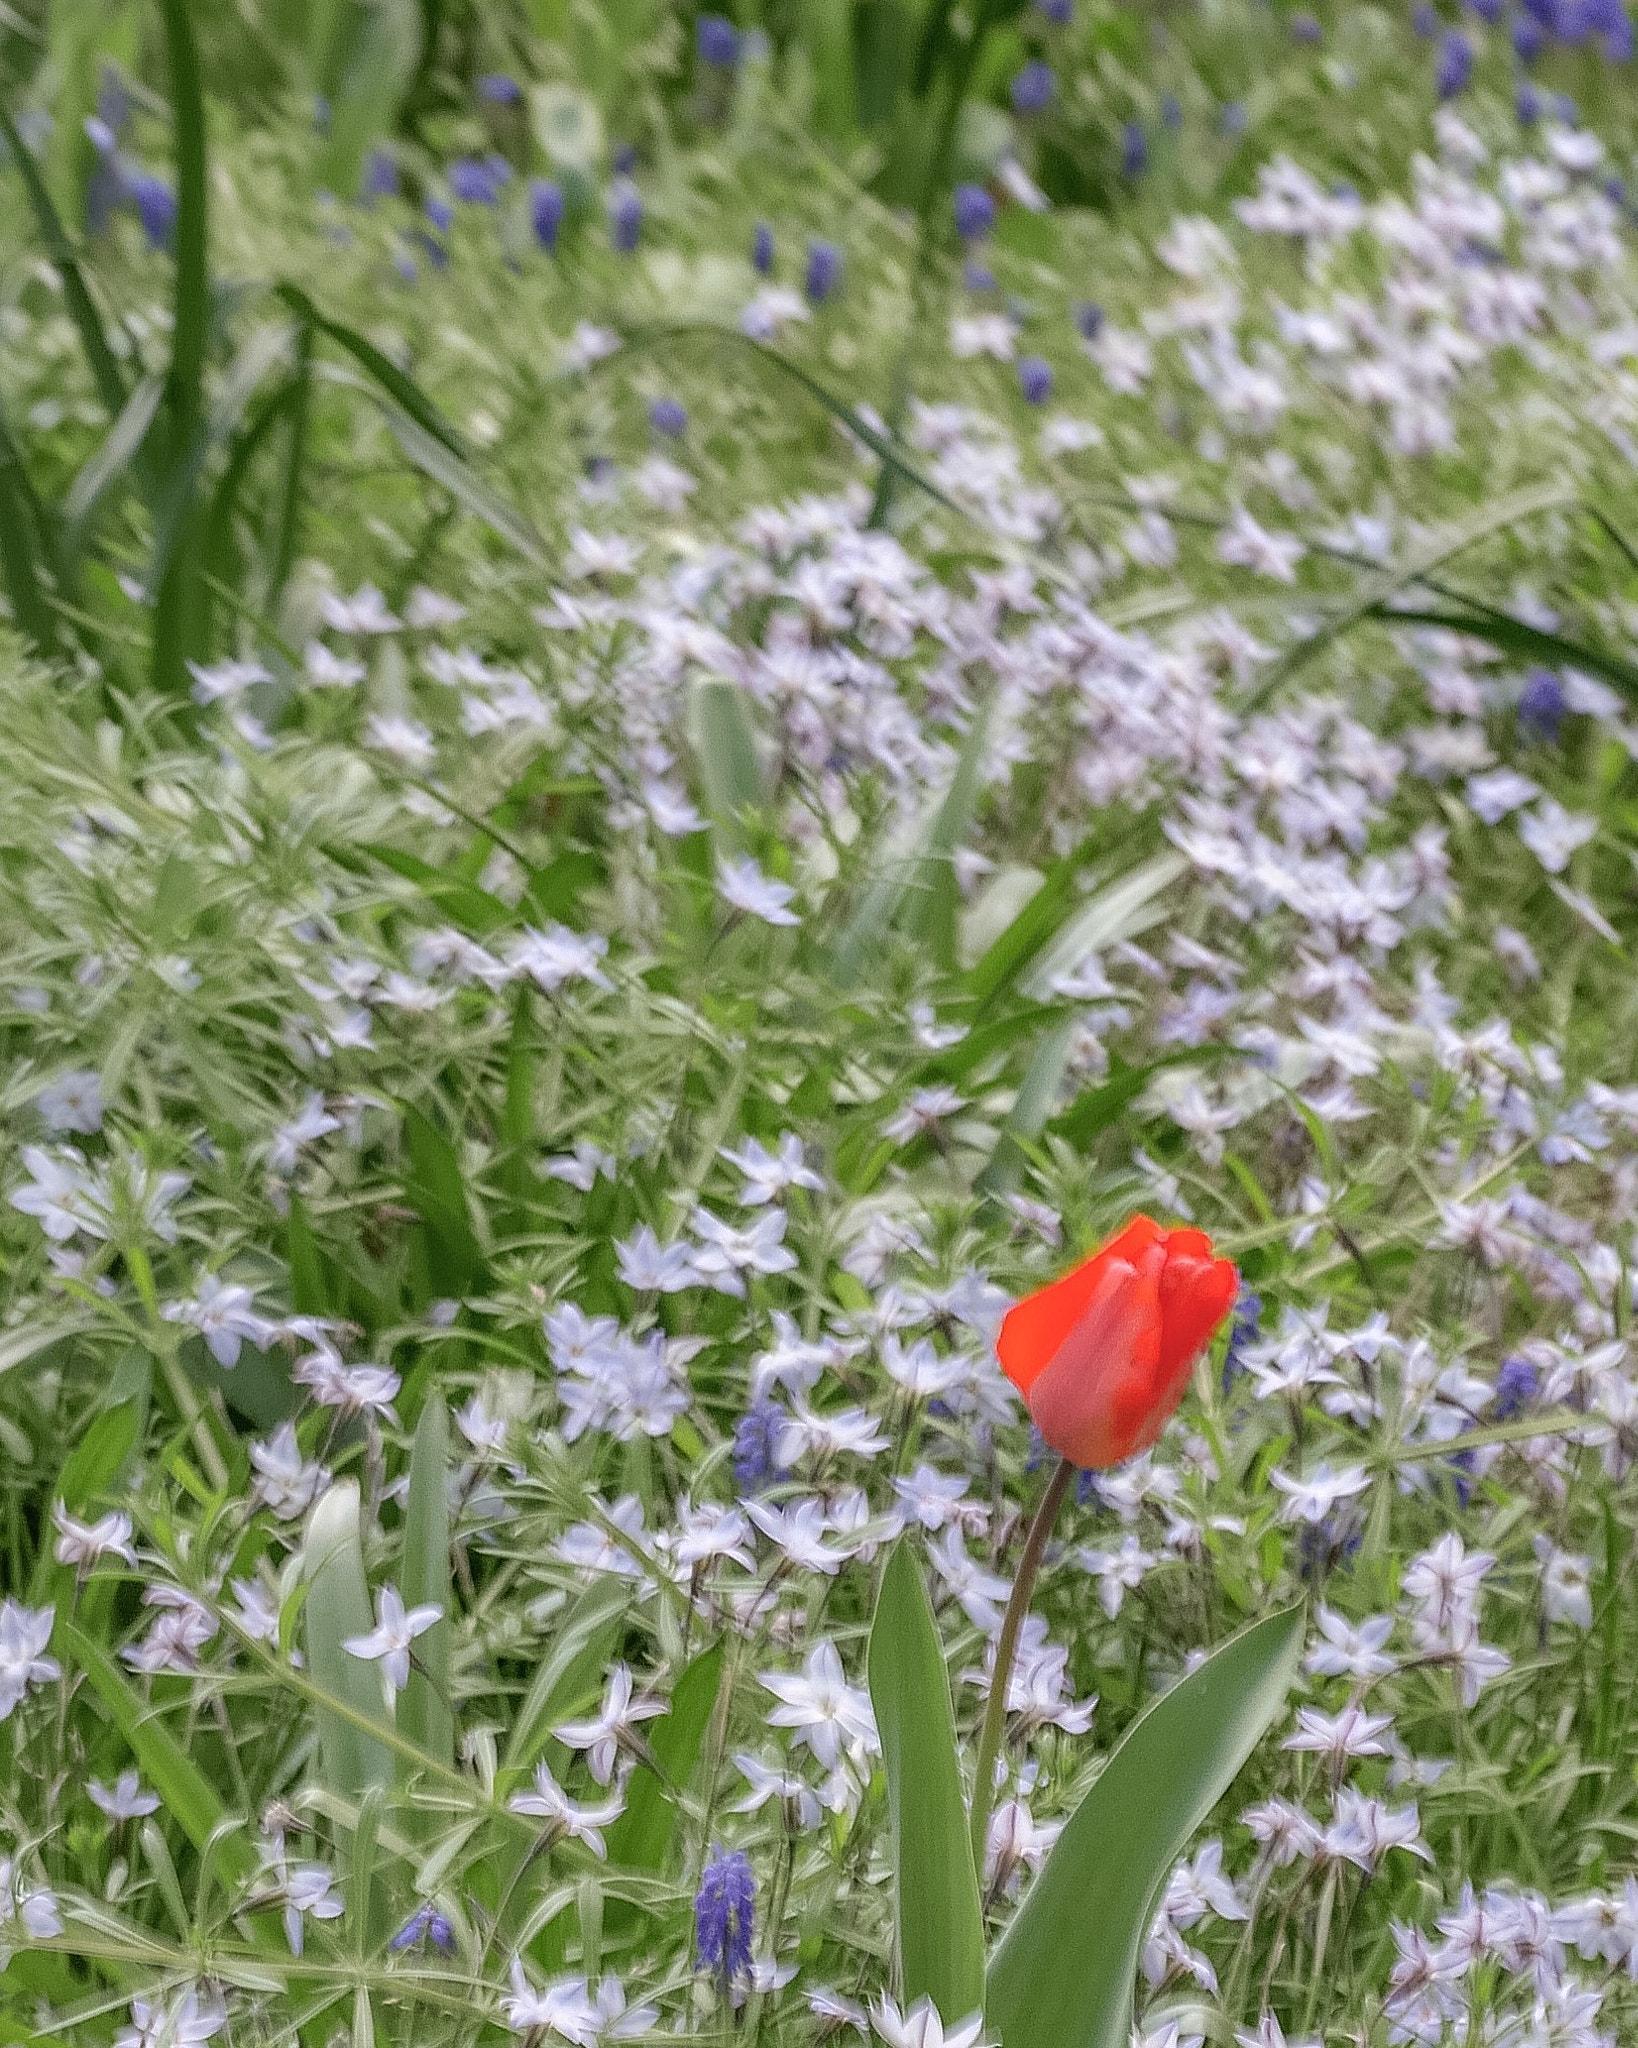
1195,1295
1033,1331
1095,1390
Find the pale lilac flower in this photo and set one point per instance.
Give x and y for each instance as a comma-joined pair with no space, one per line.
563,1817
124,1799
83,1544
744,887
24,1634
391,1640
921,2027
613,1726
827,1714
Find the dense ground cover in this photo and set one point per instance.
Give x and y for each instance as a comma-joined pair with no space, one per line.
665,782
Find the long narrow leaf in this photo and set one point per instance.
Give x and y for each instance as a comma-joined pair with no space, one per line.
105,371
120,448
939,1924
1063,1974
920,861
725,746
283,552
188,1796
18,551
338,1606
580,1651
1514,636
424,1712
642,1837
402,389
1377,590
177,610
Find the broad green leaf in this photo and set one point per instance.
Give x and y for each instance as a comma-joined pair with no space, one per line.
638,1840
19,562
1096,1108
1376,591
1038,920
1120,910
580,1652
930,908
188,1796
177,605
1062,1976
1514,636
460,900
310,1292
105,371
424,1711
939,1925
379,56
338,1606
1037,1095
642,1837
725,746
919,861
88,1472
435,1189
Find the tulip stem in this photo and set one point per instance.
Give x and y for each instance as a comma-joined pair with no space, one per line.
1006,1644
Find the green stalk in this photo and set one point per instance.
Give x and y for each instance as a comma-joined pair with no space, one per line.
995,1710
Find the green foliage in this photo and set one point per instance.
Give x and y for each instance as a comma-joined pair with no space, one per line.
1062,1976
336,1608
938,1925
424,1712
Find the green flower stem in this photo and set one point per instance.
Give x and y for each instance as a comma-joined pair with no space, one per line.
995,1711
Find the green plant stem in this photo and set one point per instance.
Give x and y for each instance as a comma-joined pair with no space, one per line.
995,1711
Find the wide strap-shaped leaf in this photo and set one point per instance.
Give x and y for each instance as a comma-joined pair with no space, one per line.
338,1606
641,1839
1062,1976
940,1927
424,1712
188,1795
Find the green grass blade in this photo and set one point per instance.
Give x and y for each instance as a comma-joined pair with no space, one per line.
120,451
1378,590
581,1651
1062,1976
222,554
19,562
930,907
403,390
724,741
435,1189
188,1796
1531,643
939,1924
1035,1101
300,406
883,446
455,473
424,1711
338,1606
642,1838
178,609
921,865
105,370
1129,904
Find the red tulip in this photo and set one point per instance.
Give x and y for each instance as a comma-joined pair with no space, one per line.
1102,1356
